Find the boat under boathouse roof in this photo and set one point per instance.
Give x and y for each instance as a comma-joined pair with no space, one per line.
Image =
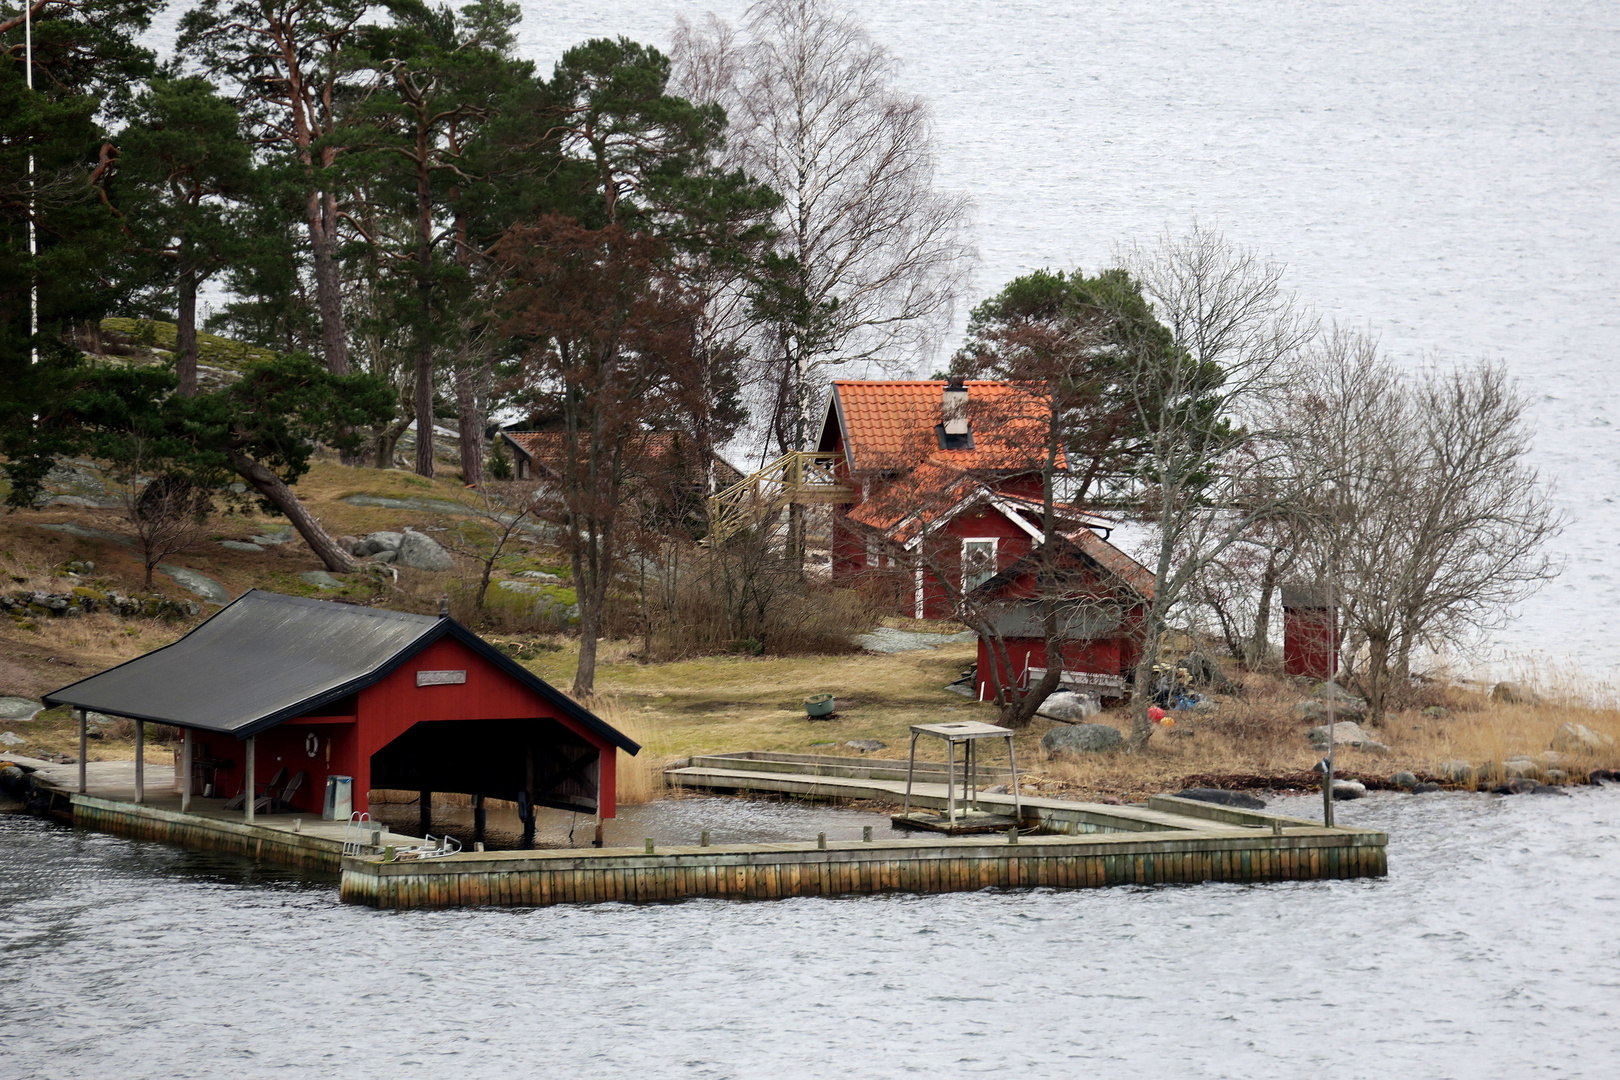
391,699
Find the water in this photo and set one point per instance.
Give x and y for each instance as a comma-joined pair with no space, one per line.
1489,950
668,821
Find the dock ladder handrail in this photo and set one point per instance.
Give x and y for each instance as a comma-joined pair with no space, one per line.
359,822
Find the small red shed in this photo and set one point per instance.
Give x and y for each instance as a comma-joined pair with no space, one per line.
1310,632
1101,595
391,699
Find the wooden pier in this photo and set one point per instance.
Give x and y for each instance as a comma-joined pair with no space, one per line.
1086,845
850,868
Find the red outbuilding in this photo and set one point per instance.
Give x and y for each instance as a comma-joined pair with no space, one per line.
1310,632
1099,597
275,686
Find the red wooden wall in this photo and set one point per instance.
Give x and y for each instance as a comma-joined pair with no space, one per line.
386,710
1308,635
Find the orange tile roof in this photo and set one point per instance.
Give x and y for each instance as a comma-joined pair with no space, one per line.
890,424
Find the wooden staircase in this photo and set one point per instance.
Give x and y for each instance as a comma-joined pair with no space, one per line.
800,477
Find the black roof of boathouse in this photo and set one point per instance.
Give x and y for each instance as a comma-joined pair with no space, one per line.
266,658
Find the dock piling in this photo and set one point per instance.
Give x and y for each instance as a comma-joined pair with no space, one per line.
821,841
704,840
649,845
866,834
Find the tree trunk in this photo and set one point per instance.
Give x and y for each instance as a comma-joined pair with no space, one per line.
273,488
470,414
424,411
322,222
1142,695
590,625
388,439
1377,677
1254,656
185,329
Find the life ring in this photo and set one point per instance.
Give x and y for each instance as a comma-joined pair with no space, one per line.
312,744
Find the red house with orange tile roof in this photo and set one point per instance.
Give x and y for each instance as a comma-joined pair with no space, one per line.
948,470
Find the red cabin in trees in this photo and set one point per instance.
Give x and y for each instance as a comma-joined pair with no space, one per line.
948,482
390,699
1100,596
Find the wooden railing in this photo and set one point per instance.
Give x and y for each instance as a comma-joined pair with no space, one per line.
799,477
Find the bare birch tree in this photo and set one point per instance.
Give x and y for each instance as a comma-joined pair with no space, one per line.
871,255
1207,474
1434,523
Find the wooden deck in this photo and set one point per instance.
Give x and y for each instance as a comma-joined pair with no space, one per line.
1086,845
775,871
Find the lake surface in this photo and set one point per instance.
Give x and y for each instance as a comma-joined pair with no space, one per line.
1441,171
1490,949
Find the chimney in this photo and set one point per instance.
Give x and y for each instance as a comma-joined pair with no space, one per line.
956,407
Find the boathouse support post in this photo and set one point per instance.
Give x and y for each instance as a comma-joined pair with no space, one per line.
424,812
249,791
140,761
185,773
478,818
84,725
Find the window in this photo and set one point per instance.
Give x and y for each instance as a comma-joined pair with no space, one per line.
978,562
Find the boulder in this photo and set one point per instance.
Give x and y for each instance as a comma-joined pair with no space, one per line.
1316,709
11,738
320,579
239,545
537,575
421,552
1241,799
384,557
1404,780
1345,733
1082,739
1069,707
866,746
372,543
1437,712
1512,693
1426,787
1457,772
1518,785
1520,767
1578,738
19,708
1349,789
1330,691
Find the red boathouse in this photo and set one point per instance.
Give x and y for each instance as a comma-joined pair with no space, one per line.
283,685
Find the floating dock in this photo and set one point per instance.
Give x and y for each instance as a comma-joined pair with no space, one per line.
1084,845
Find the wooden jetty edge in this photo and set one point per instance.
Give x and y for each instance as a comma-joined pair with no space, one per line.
848,868
1085,845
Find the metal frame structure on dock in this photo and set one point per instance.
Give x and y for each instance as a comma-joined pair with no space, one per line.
969,733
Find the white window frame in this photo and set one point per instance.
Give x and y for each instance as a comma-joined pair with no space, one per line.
995,559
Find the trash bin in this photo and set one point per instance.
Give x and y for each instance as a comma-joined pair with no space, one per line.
339,798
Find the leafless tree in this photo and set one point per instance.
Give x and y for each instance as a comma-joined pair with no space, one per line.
167,512
1434,525
498,515
1208,473
872,254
